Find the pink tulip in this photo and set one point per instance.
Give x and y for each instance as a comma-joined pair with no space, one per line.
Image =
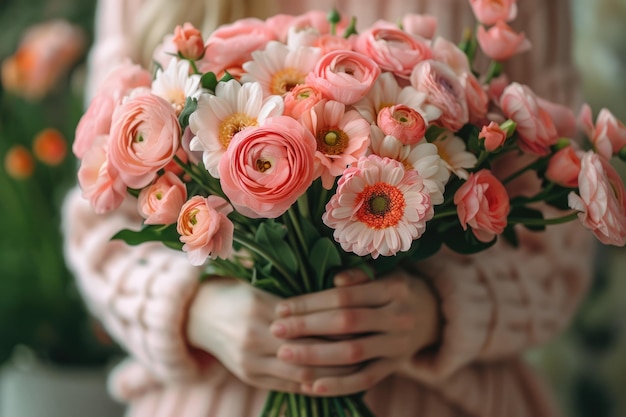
99,180
534,125
145,136
483,204
160,203
501,42
564,168
489,12
205,230
344,76
608,136
265,169
602,200
393,49
188,41
403,123
493,135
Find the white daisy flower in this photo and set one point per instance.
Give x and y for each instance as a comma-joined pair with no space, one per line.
175,84
453,152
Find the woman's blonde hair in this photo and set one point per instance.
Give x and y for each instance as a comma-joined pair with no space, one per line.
160,17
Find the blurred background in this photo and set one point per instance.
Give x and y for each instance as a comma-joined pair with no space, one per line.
49,342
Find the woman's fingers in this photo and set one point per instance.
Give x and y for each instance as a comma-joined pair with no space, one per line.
372,294
349,277
271,366
362,380
344,352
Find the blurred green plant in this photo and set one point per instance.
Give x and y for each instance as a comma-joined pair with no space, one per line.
40,306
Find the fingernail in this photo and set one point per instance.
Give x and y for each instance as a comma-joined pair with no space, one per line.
282,310
285,354
307,388
278,329
321,389
343,278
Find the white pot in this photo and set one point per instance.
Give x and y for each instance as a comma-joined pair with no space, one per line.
44,391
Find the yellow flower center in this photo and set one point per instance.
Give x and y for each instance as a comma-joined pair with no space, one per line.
285,80
382,206
332,141
263,165
232,125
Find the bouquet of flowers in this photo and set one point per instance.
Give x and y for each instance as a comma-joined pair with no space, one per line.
285,150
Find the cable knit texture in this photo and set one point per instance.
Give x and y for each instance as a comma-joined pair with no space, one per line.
495,304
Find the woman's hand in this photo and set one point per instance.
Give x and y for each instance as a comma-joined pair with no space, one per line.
230,319
387,321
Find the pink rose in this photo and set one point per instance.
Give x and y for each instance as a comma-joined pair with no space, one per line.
493,135
501,42
564,168
403,123
95,122
534,125
483,204
444,90
188,41
344,76
477,98
160,203
98,180
300,100
265,169
392,49
420,25
145,136
230,46
602,200
608,136
205,229
489,12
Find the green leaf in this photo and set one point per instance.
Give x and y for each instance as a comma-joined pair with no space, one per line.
271,236
209,81
528,213
559,197
511,235
464,241
324,256
190,106
159,233
310,233
226,77
433,132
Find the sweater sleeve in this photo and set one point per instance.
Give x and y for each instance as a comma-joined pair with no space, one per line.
141,293
503,301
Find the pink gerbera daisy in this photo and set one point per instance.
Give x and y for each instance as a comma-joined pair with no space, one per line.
379,208
342,137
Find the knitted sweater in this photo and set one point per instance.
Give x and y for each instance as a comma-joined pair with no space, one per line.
495,305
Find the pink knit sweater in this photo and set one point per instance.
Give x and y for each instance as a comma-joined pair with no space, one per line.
496,304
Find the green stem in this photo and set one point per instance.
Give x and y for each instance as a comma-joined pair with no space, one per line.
522,171
338,407
325,407
444,214
349,402
482,158
193,175
293,405
303,206
193,66
322,203
303,405
298,248
250,244
544,222
315,408
296,226
538,197
495,69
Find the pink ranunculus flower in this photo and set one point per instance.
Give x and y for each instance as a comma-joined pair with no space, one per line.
608,136
379,208
564,167
328,43
265,169
145,136
501,42
300,100
342,137
188,41
344,76
483,204
393,49
477,98
444,90
602,200
314,21
420,25
230,46
99,181
534,124
493,135
489,12
205,229
403,123
563,117
160,203
450,54
94,122
124,78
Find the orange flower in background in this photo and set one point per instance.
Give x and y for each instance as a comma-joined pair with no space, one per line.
46,52
18,162
50,147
